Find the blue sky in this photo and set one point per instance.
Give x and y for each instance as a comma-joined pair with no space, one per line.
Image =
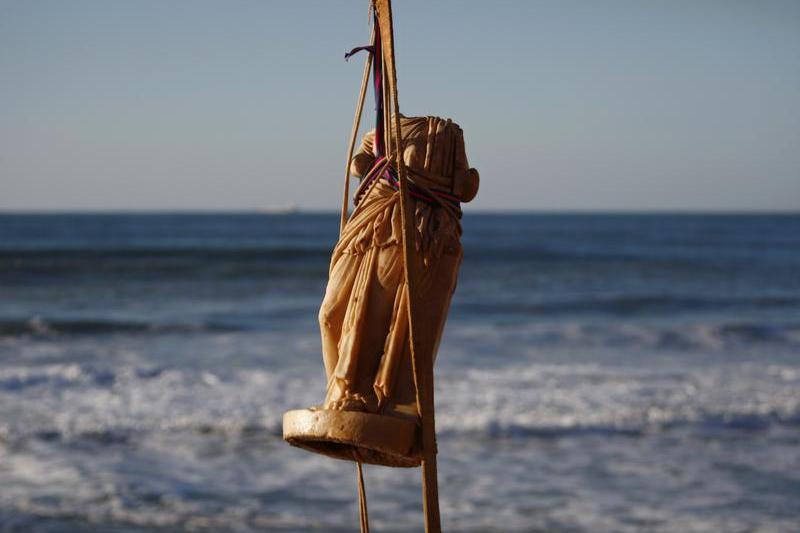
595,105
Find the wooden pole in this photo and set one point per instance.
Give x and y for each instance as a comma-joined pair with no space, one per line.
422,361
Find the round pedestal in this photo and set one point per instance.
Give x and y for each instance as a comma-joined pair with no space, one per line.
353,436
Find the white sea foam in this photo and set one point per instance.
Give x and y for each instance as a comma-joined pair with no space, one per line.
544,399
572,435
73,400
68,400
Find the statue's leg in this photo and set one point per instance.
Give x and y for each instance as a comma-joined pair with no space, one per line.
334,306
361,337
363,329
395,379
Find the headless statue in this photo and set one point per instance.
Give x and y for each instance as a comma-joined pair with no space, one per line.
363,317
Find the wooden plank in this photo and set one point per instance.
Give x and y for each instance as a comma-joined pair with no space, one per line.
422,362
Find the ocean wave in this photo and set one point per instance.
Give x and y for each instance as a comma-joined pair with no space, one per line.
545,400
633,336
480,252
110,405
19,256
624,305
38,326
126,264
703,336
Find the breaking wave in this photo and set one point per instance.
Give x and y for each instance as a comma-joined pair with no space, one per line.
634,335
538,400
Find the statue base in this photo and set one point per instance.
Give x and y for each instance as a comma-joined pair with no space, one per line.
354,436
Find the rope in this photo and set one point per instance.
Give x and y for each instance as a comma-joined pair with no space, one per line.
362,500
354,131
374,50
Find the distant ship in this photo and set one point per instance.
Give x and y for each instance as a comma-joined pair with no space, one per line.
288,209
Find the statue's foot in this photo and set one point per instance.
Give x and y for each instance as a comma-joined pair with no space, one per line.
350,402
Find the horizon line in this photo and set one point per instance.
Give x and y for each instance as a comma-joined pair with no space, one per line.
476,211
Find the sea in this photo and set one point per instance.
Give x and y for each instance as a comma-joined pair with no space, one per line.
598,373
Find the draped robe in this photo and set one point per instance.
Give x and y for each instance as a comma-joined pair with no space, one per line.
363,318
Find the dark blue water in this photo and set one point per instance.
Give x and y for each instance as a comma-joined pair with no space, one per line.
597,373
